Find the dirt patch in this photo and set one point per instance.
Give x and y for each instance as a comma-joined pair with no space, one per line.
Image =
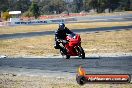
10,81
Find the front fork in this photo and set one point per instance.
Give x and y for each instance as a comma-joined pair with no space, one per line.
77,48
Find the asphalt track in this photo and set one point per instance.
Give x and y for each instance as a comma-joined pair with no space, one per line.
43,66
51,66
32,34
123,18
114,18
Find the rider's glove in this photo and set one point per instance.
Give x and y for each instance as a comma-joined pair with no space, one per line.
64,41
58,40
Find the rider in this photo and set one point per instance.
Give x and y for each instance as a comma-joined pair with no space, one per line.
60,34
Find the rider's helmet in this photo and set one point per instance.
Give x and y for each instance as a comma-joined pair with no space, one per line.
61,25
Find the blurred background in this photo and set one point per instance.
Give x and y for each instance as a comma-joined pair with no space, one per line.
36,8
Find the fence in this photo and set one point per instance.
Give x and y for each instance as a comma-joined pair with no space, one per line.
5,23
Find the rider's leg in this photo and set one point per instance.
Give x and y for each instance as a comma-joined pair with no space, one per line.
56,45
64,49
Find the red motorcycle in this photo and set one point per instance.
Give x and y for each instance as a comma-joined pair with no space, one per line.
72,47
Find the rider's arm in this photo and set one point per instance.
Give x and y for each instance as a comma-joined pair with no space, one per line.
57,38
56,35
68,31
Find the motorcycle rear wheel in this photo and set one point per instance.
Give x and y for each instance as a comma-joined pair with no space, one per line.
67,56
64,55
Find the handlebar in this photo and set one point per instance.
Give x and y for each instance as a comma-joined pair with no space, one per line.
62,41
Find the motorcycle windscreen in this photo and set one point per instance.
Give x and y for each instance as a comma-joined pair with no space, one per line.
74,39
71,36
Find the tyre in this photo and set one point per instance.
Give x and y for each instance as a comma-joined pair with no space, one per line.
67,56
64,54
81,52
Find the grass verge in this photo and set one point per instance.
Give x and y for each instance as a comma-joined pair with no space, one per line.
102,42
53,27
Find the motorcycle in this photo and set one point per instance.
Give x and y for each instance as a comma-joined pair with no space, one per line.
72,46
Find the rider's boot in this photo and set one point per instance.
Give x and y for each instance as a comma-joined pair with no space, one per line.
63,50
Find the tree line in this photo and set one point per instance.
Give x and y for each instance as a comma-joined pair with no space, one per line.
101,5
36,8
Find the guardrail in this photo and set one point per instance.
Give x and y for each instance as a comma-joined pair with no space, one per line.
6,23
49,21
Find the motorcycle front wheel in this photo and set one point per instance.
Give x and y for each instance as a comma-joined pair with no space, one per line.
81,52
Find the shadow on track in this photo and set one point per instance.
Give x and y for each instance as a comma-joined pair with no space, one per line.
85,58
